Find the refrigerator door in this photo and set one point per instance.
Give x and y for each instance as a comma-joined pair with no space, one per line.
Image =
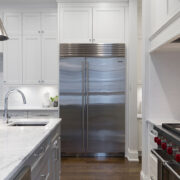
72,79
105,108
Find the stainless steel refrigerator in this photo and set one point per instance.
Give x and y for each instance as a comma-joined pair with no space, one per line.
92,99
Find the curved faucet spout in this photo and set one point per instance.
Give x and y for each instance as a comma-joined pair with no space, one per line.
6,117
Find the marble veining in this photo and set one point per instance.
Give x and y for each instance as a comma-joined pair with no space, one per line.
18,143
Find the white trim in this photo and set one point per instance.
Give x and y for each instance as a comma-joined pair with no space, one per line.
132,156
143,176
97,4
165,25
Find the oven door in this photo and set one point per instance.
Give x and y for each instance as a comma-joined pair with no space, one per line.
167,168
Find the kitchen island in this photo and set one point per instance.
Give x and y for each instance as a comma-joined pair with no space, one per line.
30,146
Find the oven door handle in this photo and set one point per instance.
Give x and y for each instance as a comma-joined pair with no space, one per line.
158,156
172,170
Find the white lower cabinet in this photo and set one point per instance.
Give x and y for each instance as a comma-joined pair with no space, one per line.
43,114
41,168
153,162
153,167
46,159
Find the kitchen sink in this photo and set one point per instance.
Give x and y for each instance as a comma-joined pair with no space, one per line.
29,124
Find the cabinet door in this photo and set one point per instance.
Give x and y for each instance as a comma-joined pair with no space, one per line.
13,60
76,25
12,23
32,59
1,44
50,63
173,6
31,23
49,24
108,25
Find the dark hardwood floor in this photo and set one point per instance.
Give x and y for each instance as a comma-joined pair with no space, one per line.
99,169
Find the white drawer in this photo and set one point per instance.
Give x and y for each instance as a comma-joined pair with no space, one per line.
153,167
43,114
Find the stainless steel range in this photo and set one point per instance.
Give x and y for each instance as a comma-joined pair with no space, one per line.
168,151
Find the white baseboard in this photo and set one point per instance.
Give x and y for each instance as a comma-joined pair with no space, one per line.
132,155
143,176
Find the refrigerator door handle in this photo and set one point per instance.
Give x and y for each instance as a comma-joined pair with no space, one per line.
87,102
83,101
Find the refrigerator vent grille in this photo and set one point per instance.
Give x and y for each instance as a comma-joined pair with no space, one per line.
92,50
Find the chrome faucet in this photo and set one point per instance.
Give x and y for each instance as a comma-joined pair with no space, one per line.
6,116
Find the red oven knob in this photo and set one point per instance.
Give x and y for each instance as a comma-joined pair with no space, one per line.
164,146
177,157
169,150
159,141
156,139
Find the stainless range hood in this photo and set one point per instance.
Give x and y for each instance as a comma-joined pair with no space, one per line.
3,34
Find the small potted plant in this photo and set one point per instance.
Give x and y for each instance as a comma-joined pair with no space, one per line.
54,100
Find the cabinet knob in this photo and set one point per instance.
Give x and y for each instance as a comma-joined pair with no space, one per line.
4,81
42,31
39,32
39,81
90,40
42,81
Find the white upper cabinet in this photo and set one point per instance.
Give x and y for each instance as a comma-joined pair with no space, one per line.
1,44
13,49
31,53
40,49
76,25
158,14
31,24
31,60
13,24
173,6
108,25
12,66
49,24
50,68
92,25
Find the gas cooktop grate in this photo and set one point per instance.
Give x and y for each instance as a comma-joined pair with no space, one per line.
173,128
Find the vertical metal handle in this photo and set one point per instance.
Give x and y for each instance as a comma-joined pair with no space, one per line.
83,108
87,100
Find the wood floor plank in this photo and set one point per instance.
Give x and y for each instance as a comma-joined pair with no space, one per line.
99,169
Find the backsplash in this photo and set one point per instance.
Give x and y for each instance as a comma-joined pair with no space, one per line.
35,95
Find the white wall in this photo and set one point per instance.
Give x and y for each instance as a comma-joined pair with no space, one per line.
164,85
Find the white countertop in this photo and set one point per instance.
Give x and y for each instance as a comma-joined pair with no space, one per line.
160,121
30,108
18,143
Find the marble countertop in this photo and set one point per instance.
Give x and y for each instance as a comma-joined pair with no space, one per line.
18,143
30,108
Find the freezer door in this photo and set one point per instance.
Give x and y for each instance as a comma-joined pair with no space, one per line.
72,71
105,109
